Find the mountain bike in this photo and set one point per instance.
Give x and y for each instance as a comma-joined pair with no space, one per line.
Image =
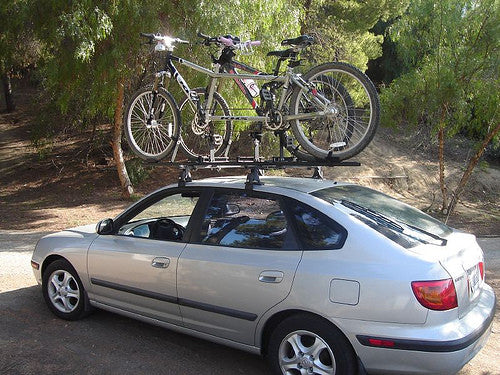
332,110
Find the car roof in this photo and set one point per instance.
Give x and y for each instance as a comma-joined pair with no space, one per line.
301,184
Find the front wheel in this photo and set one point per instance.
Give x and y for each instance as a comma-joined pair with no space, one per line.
63,291
152,123
304,344
338,114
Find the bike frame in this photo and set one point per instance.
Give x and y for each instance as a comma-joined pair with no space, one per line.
218,72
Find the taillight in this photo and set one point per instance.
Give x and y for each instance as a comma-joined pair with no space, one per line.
436,295
481,270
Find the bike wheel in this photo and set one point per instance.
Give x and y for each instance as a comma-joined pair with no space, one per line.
152,123
351,117
195,139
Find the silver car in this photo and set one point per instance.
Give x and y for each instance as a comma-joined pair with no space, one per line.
317,276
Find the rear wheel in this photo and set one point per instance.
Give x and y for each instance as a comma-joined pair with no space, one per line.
352,113
195,137
304,344
152,123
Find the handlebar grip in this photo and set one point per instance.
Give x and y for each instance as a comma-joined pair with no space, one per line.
226,41
254,43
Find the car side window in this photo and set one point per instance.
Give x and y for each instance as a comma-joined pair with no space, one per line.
315,230
238,220
165,219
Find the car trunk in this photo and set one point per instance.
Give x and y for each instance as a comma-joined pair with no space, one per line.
460,257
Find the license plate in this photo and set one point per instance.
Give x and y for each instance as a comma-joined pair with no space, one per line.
474,279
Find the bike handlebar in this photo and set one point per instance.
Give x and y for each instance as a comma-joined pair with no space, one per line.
228,41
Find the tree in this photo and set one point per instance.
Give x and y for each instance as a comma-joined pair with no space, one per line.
94,49
344,28
450,49
18,48
91,52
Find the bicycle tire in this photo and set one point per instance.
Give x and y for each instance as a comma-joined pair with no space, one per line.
354,116
152,139
193,144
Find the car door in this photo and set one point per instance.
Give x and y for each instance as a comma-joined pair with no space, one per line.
242,264
134,269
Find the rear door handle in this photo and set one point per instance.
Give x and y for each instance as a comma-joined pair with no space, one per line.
160,262
271,276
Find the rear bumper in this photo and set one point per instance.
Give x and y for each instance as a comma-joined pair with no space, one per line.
434,349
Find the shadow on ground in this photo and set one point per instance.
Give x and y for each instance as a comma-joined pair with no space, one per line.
33,341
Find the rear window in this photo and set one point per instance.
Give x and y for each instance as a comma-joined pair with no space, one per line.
385,205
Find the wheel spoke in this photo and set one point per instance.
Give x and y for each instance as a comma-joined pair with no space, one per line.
316,348
55,282
296,345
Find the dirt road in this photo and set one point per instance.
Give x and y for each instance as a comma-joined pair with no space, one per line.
33,341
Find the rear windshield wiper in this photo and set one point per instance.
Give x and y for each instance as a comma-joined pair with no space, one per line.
375,216
432,235
382,220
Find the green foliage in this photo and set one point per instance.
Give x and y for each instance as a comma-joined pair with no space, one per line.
343,28
137,170
18,48
451,50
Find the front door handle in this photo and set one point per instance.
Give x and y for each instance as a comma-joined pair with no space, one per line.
271,276
160,262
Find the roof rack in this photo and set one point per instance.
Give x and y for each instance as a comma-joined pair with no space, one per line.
255,163
256,167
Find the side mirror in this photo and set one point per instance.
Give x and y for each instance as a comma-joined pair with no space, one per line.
105,226
232,209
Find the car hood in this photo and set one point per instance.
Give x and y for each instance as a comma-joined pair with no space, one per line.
84,231
70,241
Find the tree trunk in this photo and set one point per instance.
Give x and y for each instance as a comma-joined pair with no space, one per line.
127,189
7,90
470,167
442,182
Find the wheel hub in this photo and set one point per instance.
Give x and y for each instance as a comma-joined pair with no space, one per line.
306,362
152,124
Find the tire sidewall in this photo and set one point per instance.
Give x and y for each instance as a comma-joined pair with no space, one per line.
80,310
342,350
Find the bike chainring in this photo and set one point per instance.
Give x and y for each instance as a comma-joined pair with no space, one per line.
198,127
274,120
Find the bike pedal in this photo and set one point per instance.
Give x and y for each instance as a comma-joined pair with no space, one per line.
289,141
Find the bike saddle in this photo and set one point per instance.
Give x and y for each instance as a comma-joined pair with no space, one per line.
285,54
303,40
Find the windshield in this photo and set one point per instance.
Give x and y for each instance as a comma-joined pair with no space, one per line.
385,205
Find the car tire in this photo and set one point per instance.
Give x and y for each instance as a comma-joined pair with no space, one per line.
305,344
63,291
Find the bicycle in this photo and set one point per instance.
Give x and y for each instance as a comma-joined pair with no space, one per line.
332,110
